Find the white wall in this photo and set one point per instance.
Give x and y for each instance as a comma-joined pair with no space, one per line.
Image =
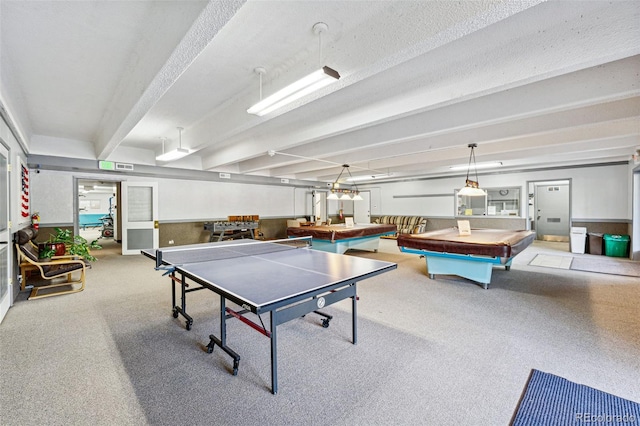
178,199
195,200
16,157
302,202
602,192
62,147
95,203
598,193
52,196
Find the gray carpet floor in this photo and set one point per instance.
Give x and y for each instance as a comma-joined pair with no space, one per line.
433,352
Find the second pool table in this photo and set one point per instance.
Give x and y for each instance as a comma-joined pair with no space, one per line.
471,256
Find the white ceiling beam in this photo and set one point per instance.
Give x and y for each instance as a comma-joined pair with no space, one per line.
126,112
440,77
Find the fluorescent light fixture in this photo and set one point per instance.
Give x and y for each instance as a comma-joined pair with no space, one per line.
478,166
173,154
368,177
104,187
309,84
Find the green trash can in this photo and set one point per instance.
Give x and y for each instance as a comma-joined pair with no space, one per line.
616,245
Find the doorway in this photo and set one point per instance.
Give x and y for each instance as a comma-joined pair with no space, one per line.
549,209
139,216
5,237
96,211
362,208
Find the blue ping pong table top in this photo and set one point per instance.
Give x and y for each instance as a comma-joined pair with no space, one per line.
265,279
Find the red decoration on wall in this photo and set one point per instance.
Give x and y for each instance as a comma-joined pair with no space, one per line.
24,196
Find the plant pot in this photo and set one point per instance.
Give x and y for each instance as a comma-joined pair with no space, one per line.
60,248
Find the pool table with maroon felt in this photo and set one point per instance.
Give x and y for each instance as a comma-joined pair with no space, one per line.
340,238
471,256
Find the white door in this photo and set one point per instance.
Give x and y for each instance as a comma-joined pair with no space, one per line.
5,240
139,216
362,208
552,210
319,203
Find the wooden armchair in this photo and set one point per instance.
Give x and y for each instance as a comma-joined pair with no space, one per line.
58,267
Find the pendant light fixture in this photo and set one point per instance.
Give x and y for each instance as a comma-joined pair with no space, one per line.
175,153
306,85
345,193
472,187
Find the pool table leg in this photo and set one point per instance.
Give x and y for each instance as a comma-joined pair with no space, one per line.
507,266
473,269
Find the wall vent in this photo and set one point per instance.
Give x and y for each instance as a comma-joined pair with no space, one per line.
124,166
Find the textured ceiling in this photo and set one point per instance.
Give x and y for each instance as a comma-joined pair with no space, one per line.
532,83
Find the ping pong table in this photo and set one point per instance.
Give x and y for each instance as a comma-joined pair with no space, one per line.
283,278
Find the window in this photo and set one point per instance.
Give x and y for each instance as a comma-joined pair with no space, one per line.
497,202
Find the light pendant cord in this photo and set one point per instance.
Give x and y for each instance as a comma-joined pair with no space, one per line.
472,155
320,49
345,167
318,29
473,152
352,181
339,176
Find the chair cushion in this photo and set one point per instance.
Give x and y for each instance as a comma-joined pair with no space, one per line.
405,224
30,251
62,268
25,235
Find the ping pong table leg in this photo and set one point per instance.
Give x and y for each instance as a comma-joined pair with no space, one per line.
222,341
184,304
223,321
354,313
274,353
180,310
173,294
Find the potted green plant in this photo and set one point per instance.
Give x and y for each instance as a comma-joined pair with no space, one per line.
46,251
75,244
59,241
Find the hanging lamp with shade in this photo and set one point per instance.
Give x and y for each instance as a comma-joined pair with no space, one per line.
472,187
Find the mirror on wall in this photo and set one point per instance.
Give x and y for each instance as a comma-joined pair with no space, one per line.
470,206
